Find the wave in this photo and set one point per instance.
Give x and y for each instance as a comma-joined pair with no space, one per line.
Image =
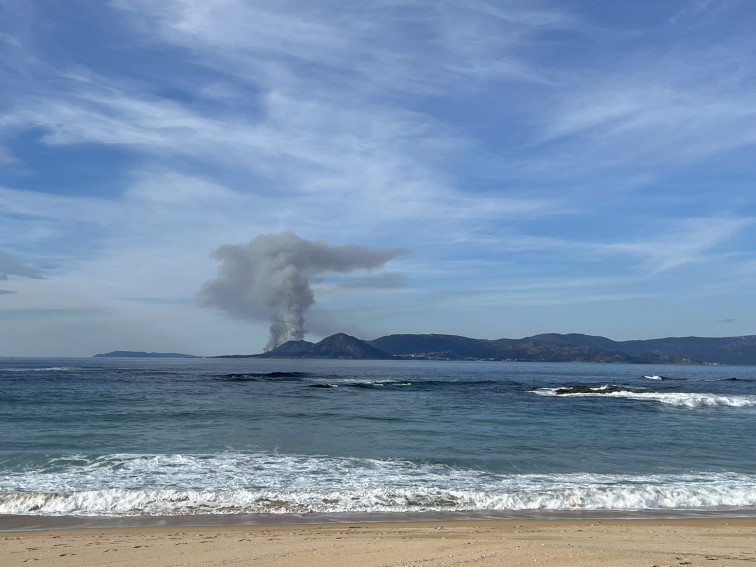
674,399
308,377
258,376
328,380
370,384
47,369
336,381
234,483
366,384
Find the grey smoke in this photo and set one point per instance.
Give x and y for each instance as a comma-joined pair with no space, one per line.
272,274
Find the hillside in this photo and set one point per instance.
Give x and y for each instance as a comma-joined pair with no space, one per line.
289,348
549,347
554,347
140,354
341,345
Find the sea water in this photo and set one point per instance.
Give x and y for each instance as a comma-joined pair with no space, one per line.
182,437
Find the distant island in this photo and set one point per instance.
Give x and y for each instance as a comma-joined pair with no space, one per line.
140,354
551,347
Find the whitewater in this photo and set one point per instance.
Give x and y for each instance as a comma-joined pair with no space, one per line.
186,437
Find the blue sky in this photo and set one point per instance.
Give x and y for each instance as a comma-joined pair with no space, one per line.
571,166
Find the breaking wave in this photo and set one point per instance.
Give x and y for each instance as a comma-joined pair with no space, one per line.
674,399
234,483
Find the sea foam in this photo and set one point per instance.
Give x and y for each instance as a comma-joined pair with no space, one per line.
233,483
674,399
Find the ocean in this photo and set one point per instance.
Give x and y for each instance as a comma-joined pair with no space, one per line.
141,438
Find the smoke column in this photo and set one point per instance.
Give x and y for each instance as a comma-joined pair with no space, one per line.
273,271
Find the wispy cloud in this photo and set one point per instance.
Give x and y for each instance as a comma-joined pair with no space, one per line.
22,314
6,157
529,154
10,266
688,241
651,111
371,47
358,161
698,12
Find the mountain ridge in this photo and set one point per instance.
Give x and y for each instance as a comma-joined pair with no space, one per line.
546,347
142,354
575,347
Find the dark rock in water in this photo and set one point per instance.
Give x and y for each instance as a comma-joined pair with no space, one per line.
584,390
251,376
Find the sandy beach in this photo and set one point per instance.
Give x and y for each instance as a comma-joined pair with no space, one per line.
564,543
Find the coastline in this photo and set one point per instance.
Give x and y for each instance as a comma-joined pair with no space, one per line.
721,541
10,523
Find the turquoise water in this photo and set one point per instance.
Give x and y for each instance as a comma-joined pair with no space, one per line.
141,437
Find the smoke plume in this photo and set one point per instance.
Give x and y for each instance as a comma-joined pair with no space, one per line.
272,273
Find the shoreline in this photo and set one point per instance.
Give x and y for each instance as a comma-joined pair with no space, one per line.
694,542
10,523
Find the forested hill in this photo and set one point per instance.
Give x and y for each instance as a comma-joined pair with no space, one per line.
551,347
555,347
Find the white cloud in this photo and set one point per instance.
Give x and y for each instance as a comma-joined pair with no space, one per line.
670,244
366,163
412,47
688,241
697,11
650,110
496,139
6,157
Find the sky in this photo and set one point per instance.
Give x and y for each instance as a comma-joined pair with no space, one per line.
527,166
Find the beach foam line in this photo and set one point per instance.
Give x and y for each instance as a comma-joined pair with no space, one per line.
124,502
238,483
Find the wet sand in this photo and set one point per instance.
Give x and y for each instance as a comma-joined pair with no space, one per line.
719,542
